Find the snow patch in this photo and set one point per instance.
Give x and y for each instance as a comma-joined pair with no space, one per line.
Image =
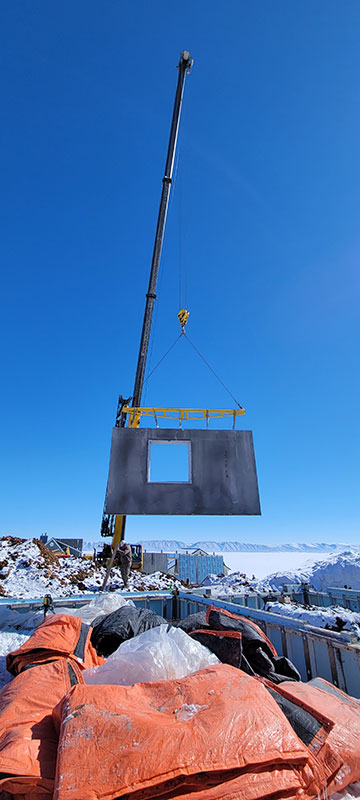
187,711
335,618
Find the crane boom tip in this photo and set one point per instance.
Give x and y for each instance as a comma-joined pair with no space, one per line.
186,60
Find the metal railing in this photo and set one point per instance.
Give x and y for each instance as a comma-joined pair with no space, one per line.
314,651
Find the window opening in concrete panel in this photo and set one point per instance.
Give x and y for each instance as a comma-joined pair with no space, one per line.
169,462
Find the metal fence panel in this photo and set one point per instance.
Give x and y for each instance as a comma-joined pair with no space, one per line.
296,652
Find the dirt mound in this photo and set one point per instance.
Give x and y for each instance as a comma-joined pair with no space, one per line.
12,540
47,555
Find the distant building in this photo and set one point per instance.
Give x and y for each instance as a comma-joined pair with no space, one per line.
199,552
59,546
194,567
155,562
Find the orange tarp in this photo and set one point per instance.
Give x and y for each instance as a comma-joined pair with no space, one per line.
340,755
217,733
46,667
28,739
60,635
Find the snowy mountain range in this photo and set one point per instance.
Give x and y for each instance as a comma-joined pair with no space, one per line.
174,545
170,545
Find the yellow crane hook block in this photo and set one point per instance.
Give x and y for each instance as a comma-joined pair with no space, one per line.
183,317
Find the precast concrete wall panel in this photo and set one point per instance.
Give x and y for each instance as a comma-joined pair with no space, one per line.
222,474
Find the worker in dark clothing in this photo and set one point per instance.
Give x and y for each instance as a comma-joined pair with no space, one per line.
125,560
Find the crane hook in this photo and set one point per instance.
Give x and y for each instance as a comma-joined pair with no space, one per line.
183,317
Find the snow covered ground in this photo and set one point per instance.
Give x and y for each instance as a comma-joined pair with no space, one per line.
336,570
29,570
321,571
333,570
335,618
263,564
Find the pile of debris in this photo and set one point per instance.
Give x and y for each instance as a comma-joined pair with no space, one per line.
202,709
29,569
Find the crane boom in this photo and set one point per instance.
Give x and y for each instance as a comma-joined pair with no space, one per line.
184,67
111,525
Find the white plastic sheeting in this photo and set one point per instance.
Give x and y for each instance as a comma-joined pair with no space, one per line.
160,654
9,641
12,620
351,792
102,604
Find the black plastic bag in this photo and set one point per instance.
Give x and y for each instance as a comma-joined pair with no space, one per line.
124,623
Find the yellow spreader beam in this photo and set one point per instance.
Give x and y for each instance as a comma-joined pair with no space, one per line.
180,413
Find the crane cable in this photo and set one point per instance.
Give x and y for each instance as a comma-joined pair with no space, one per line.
163,357
211,369
183,316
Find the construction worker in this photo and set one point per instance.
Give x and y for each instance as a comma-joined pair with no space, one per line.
125,559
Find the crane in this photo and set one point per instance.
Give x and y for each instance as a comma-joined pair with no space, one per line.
114,525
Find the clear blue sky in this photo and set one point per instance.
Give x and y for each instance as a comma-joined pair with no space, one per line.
263,233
